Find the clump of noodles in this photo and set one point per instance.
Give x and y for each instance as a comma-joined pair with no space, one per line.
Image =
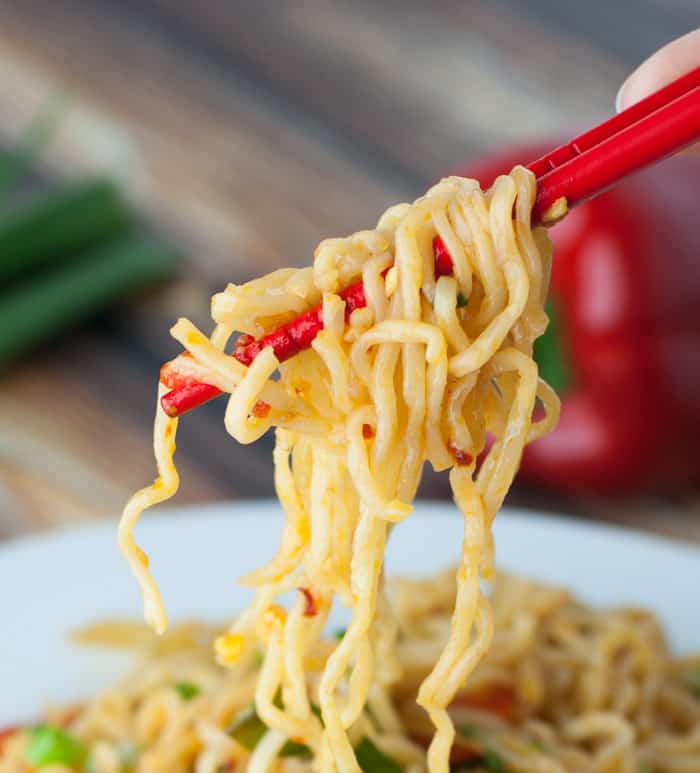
432,369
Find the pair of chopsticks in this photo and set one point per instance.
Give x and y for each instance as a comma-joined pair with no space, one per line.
662,124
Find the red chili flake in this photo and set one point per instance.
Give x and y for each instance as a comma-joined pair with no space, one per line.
310,603
367,431
462,458
261,409
443,259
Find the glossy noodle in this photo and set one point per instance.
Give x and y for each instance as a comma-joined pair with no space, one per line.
432,370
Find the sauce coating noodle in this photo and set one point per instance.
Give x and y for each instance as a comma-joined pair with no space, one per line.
415,377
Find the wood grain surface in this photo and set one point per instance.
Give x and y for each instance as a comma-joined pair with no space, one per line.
248,131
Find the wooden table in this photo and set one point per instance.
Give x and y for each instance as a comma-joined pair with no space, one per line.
249,131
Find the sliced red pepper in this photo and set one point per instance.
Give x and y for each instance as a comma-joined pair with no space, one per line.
496,699
289,339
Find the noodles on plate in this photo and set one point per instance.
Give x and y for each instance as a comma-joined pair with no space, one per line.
563,689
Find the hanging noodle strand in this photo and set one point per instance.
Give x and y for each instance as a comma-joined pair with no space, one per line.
415,376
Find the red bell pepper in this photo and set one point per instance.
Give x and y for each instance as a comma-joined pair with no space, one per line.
623,346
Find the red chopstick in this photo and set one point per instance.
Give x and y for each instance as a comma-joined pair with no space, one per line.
645,133
663,123
617,123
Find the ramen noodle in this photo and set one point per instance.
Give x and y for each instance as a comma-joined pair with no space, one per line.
433,369
563,689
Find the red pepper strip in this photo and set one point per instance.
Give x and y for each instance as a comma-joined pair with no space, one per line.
497,699
286,341
462,749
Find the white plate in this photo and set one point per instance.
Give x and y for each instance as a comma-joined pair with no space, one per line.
54,583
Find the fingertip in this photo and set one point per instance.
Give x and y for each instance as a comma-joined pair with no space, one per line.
668,63
621,100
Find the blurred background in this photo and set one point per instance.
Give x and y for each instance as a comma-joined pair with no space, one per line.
154,150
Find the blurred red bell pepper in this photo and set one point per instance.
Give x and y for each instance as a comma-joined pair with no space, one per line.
623,346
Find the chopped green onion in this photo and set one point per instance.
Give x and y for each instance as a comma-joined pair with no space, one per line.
461,300
371,759
493,762
48,745
259,658
339,633
294,749
645,768
468,731
248,728
187,690
550,352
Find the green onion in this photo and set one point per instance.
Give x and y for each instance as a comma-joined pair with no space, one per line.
461,300
187,690
645,768
54,226
339,633
60,298
259,658
493,762
248,729
48,745
293,749
371,759
550,352
468,731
